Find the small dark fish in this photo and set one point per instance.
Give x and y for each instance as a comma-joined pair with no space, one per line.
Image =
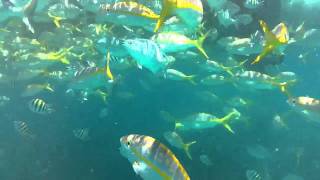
40,106
23,129
82,134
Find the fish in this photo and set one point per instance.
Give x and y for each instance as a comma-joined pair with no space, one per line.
176,75
60,11
307,106
253,175
176,140
190,11
259,80
127,13
214,79
205,160
200,121
148,54
33,89
216,5
170,42
59,56
258,151
150,159
39,106
253,4
241,46
22,129
274,39
81,133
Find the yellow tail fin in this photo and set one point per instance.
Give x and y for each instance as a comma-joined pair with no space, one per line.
191,79
273,40
49,88
165,12
56,19
199,44
226,119
187,147
108,71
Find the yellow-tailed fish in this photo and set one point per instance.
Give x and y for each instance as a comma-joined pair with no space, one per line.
150,159
56,19
175,42
200,121
190,11
60,56
307,106
176,140
33,89
176,75
274,39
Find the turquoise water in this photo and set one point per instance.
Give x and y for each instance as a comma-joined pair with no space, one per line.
76,134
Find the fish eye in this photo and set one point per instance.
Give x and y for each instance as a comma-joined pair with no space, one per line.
294,101
128,143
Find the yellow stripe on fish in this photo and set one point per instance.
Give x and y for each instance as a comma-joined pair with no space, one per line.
155,155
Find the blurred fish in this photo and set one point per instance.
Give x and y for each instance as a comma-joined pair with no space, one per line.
40,106
253,175
214,79
23,129
279,123
33,89
60,56
148,54
21,9
28,74
307,106
274,39
190,11
258,151
4,100
60,12
259,80
150,159
176,75
82,134
127,13
206,121
216,5
206,160
292,177
176,140
170,42
240,46
253,4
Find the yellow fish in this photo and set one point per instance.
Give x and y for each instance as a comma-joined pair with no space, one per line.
278,37
55,56
151,159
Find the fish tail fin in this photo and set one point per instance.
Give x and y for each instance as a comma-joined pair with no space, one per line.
49,88
62,55
191,79
107,68
284,86
226,119
270,39
56,19
165,12
186,149
199,44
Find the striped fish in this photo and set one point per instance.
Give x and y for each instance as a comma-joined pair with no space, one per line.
253,175
23,129
150,159
40,106
82,134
